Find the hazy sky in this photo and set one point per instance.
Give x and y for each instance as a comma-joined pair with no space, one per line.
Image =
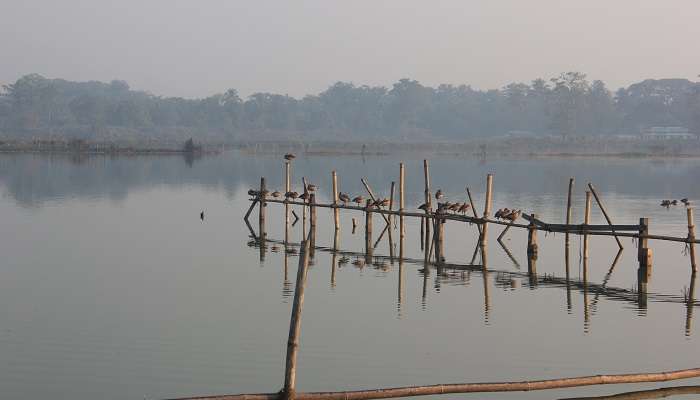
196,48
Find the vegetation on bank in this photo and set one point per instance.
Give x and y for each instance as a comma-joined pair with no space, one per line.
566,106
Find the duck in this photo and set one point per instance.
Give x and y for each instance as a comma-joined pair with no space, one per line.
464,208
513,215
358,200
665,203
439,194
292,195
344,198
685,201
289,156
311,187
454,207
253,192
276,194
674,202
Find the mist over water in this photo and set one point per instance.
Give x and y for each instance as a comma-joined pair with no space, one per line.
112,287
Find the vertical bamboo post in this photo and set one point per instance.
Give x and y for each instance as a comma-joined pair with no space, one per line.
532,249
402,204
303,207
440,248
261,218
287,185
586,222
691,238
487,208
690,304
569,210
391,222
428,210
643,244
368,231
312,218
290,372
336,211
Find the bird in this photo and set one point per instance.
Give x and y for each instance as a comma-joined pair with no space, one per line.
381,203
276,194
358,200
343,260
438,194
674,202
665,203
253,192
311,187
454,207
344,198
463,209
289,156
292,195
685,201
201,215
513,215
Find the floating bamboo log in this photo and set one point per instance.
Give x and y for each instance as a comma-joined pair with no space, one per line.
289,390
605,213
645,394
691,238
487,387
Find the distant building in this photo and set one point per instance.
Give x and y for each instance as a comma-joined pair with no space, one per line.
666,132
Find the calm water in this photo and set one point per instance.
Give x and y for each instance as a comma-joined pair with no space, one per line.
112,288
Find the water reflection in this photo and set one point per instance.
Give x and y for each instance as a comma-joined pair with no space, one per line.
645,394
460,274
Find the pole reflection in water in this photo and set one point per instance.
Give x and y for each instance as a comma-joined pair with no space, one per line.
645,394
690,304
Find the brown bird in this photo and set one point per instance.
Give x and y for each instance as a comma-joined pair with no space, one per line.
358,200
276,194
311,187
381,203
292,195
455,207
289,156
438,194
463,209
344,198
513,215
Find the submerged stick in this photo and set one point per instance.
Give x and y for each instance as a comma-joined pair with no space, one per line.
605,213
486,387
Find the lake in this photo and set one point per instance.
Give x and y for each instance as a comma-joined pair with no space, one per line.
111,287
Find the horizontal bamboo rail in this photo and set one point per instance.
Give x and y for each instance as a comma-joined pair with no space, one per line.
595,230
485,387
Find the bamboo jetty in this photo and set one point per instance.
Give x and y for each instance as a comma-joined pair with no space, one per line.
433,220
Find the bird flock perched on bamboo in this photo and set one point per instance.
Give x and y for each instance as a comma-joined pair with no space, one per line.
669,203
507,214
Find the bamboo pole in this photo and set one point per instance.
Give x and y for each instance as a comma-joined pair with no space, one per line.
428,209
486,387
287,188
605,213
312,218
690,304
303,208
261,218
336,211
532,248
368,232
289,390
586,221
643,244
372,196
691,238
391,220
568,208
645,394
487,207
402,204
250,209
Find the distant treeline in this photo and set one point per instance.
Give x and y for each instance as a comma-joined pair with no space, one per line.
568,105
